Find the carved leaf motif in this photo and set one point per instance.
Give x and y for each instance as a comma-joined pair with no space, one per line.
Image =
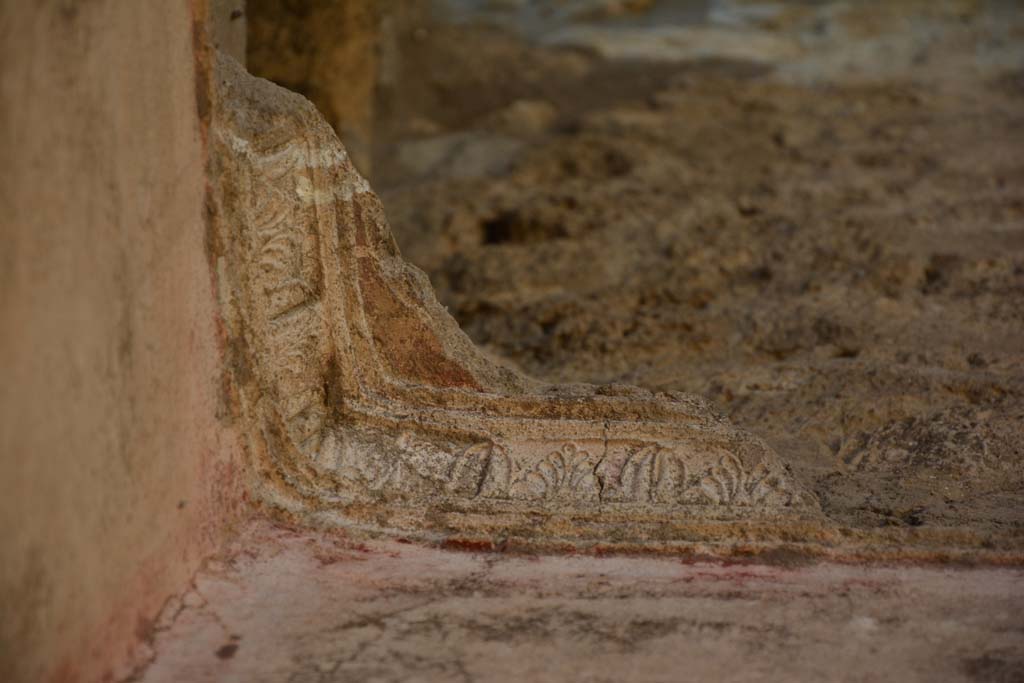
498,474
669,474
728,483
426,459
478,471
567,474
279,254
636,476
375,473
418,463
483,469
650,474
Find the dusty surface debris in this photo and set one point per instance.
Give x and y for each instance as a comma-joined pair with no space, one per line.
288,605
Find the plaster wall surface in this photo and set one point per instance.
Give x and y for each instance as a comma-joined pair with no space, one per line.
283,604
117,461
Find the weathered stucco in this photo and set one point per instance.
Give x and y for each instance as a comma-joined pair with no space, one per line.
117,470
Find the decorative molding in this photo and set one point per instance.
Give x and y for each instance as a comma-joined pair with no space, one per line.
357,385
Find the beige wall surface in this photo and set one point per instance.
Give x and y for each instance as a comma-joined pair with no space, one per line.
118,465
